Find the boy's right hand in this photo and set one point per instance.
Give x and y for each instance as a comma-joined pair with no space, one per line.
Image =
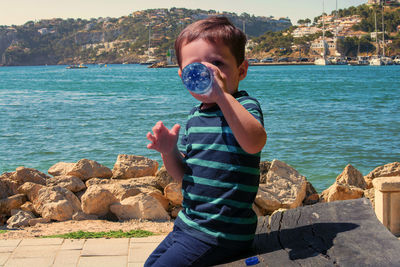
163,140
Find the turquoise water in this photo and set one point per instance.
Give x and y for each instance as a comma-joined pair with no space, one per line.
318,118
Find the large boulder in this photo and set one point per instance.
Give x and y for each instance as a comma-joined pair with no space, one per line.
264,168
163,178
97,200
101,193
173,192
284,188
61,168
23,175
6,186
19,218
31,190
391,169
131,166
141,206
86,169
56,203
10,203
72,183
341,192
351,176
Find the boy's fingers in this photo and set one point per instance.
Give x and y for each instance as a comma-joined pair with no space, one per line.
150,137
175,129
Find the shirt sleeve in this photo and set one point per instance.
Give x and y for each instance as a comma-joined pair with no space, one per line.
254,107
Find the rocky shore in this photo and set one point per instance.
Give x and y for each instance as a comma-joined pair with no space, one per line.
136,193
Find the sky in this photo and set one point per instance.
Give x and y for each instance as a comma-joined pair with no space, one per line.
17,12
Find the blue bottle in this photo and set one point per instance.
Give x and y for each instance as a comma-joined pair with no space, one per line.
197,78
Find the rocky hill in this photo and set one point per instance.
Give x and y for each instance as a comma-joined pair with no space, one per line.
112,40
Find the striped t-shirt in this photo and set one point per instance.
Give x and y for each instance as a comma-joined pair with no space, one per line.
221,179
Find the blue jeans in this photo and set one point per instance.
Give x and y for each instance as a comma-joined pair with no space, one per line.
181,249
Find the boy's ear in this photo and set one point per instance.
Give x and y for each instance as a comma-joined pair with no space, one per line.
180,72
243,69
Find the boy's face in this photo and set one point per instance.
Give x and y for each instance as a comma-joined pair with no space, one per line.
220,56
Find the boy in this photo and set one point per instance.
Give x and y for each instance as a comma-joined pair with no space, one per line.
219,170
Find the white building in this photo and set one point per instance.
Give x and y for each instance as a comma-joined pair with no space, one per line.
302,31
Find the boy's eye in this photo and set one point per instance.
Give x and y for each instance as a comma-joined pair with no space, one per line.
217,63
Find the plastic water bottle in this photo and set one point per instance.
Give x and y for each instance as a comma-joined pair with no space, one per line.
197,78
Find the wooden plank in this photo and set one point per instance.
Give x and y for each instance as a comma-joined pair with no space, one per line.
341,233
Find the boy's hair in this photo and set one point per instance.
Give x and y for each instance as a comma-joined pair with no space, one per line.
213,29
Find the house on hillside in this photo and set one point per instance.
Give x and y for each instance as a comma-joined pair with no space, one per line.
302,31
330,46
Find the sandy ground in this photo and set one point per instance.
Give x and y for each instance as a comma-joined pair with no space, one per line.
87,225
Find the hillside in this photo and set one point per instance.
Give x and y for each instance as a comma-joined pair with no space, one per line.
111,40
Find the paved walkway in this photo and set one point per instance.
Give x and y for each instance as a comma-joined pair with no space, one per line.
113,252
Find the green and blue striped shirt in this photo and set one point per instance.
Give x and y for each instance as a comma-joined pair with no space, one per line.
221,179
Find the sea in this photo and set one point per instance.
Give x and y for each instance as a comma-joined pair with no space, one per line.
318,118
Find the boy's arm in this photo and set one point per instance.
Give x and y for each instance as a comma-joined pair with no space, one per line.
165,141
247,129
173,162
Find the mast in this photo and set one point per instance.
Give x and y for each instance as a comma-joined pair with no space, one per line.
323,29
376,35
383,32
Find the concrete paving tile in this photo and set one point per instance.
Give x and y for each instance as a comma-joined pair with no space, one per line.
106,247
24,262
73,244
67,258
140,252
9,242
135,264
149,239
103,261
6,249
35,251
41,242
4,257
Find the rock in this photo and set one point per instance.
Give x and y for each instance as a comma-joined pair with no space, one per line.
97,200
391,169
8,187
72,183
56,203
257,210
160,198
86,169
141,206
10,203
23,175
34,221
3,219
5,189
341,192
312,196
20,219
98,181
28,206
284,188
370,194
352,176
31,190
264,168
131,166
163,178
174,211
311,199
123,190
81,216
61,168
173,192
